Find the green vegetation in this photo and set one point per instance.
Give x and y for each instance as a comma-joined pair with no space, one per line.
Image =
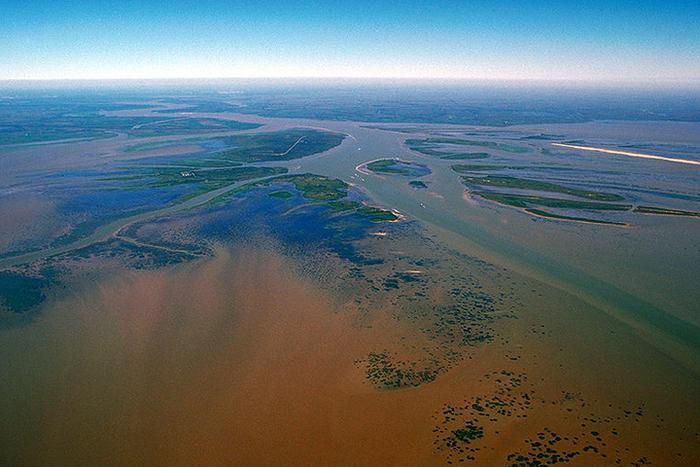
466,168
388,166
470,432
665,211
377,214
501,146
410,109
213,178
161,144
395,129
184,164
178,126
503,181
435,146
542,137
311,186
525,201
278,146
398,167
139,256
197,105
397,278
539,212
281,194
329,190
385,373
34,120
430,147
374,214
343,205
258,147
192,164
91,125
465,156
418,184
52,122
421,146
38,135
316,187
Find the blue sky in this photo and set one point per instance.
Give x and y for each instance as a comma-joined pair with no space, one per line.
639,41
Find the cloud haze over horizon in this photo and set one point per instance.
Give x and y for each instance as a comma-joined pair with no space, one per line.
642,41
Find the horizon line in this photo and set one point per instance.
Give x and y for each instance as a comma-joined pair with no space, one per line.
695,82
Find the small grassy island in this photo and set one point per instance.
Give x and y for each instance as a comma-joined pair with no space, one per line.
398,167
503,181
665,211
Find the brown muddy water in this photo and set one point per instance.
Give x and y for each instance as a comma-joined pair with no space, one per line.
241,360
232,360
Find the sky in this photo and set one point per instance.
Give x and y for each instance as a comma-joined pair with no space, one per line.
593,41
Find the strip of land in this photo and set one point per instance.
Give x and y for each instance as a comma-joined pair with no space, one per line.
665,211
626,153
113,228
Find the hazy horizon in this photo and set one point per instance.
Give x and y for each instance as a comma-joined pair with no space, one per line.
339,82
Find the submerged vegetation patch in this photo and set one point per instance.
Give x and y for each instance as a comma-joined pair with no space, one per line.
20,292
385,373
139,255
469,432
466,428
